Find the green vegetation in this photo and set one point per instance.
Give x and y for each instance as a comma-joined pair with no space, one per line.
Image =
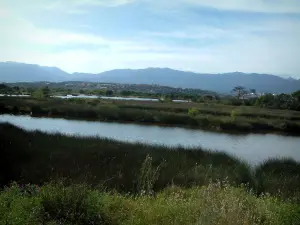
98,181
54,179
113,89
56,203
35,157
193,112
42,93
6,90
210,116
282,101
296,95
133,167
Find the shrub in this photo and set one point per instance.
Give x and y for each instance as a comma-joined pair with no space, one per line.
234,113
193,112
279,177
70,205
18,208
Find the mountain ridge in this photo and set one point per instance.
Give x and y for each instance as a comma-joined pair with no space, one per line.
11,72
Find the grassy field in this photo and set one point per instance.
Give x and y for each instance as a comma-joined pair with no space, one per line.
98,181
214,204
212,116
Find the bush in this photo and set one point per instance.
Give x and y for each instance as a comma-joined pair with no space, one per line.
70,205
279,177
193,112
18,208
234,113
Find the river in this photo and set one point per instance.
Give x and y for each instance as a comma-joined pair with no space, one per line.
113,98
252,148
101,97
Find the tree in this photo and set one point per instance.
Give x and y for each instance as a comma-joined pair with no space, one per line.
46,92
16,89
240,91
296,95
4,89
38,93
208,97
253,91
281,101
30,90
125,93
42,93
109,93
267,100
3,86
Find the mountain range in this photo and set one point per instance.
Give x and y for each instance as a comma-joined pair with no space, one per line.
12,72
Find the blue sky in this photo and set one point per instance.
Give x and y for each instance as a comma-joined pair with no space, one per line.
196,35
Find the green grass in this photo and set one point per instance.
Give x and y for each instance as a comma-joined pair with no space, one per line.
213,204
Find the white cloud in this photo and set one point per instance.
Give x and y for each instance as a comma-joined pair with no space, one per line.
75,6
200,32
272,6
245,51
23,42
109,3
79,6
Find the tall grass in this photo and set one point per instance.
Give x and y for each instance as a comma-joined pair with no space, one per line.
148,176
114,164
280,177
55,203
98,181
36,157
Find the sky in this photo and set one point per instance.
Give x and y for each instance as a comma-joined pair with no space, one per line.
206,36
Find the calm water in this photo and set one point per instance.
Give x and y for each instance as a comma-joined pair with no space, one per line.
253,148
2,95
105,97
114,98
96,96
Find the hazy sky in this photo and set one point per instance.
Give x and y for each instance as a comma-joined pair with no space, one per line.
196,35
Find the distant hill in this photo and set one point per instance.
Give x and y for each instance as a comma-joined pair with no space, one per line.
214,82
19,72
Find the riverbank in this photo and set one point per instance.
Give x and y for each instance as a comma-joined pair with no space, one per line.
36,157
215,117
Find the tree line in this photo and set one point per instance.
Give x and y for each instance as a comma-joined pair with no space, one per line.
269,100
